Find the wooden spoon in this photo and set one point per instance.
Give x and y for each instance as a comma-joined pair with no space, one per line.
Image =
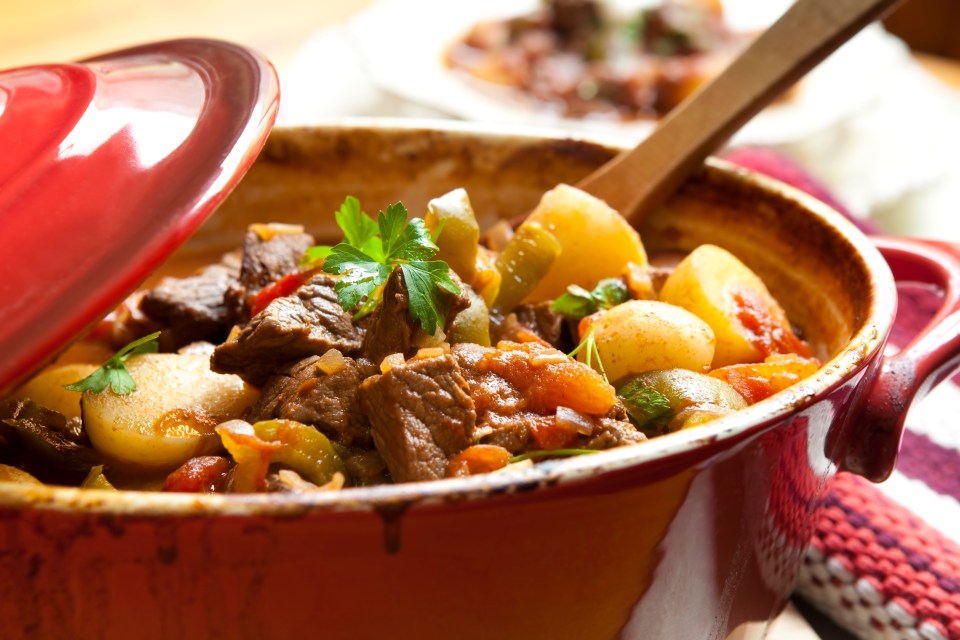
638,180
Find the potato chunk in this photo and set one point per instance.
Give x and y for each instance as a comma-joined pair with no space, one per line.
642,335
748,322
46,388
16,476
170,417
596,241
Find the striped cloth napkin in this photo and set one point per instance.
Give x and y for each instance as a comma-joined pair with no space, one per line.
884,560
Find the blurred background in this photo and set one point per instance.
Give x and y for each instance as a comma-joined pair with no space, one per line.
879,126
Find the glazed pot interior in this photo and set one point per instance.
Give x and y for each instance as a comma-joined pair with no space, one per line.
810,258
833,283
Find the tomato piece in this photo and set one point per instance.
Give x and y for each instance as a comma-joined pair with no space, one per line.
760,380
479,458
547,378
771,333
282,287
203,474
549,435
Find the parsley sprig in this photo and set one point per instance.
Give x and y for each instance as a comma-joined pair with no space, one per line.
589,346
113,373
578,303
369,253
649,410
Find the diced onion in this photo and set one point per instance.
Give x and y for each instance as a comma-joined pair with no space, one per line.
482,432
431,352
292,480
391,361
571,420
331,362
267,231
543,359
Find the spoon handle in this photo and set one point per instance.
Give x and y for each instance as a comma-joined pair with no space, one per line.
640,179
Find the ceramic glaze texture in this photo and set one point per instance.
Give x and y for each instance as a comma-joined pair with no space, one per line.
693,535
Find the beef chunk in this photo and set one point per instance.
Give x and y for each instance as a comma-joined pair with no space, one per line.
506,417
392,330
264,261
309,322
421,416
44,442
610,433
569,17
304,393
192,308
539,320
512,432
365,467
500,406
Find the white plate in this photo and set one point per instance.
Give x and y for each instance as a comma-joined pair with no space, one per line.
402,43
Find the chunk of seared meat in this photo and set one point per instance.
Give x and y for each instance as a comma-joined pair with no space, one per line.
364,466
308,322
611,432
390,329
573,18
304,392
421,415
270,252
193,308
529,397
536,322
44,442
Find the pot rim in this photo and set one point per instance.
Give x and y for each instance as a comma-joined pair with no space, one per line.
866,344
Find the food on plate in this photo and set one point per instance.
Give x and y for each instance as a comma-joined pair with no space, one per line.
588,59
405,352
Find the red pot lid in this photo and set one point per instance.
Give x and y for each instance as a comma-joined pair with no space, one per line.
106,166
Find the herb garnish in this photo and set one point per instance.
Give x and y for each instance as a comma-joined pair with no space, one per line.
113,373
370,252
649,410
578,303
589,343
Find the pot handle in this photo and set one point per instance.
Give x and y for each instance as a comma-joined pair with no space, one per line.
931,357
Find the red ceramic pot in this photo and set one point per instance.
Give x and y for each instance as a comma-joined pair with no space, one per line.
697,534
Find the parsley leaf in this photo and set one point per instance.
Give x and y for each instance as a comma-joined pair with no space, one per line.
314,257
113,373
427,304
649,410
370,252
578,303
358,228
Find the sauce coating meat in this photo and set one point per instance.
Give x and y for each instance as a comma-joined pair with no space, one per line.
315,368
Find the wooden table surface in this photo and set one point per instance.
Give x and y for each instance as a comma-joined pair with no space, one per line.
60,30
63,30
